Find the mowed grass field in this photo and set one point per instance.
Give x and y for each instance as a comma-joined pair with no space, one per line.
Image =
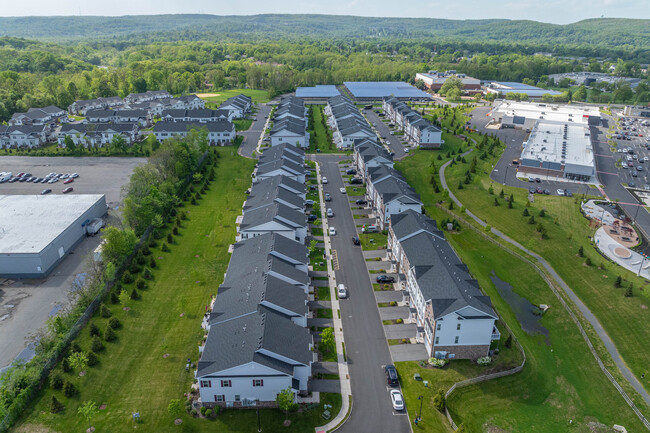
218,96
132,374
560,389
624,318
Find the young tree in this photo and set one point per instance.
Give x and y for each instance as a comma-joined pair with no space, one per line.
439,401
55,405
618,282
581,252
327,339
68,142
78,360
175,408
124,297
285,402
88,410
119,244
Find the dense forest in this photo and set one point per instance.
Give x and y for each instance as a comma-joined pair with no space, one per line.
87,57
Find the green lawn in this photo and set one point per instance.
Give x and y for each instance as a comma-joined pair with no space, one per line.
316,258
324,313
356,190
258,96
379,240
242,124
567,231
323,293
132,373
320,139
560,382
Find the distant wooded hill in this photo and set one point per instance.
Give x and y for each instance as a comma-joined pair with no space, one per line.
624,34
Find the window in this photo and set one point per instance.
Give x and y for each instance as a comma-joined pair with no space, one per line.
258,382
237,397
458,327
219,398
456,339
226,383
438,327
206,383
437,340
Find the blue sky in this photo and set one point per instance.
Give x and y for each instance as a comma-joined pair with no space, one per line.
552,11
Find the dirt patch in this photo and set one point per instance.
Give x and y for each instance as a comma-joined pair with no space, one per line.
34,428
207,95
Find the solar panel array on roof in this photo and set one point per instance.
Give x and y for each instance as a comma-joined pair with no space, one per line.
380,89
319,91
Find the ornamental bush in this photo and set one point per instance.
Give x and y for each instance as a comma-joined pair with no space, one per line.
127,277
109,334
147,274
105,312
94,330
152,263
140,283
55,405
438,363
486,360
56,382
92,359
96,345
69,390
114,323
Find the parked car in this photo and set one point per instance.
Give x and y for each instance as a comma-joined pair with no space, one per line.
332,231
328,197
397,399
361,201
370,229
560,192
67,190
308,202
350,171
46,191
312,187
639,168
341,291
330,212
547,192
53,180
539,190
70,180
312,217
74,175
356,181
532,190
385,279
324,180
391,374
531,179
343,190
355,240
631,184
538,180
568,193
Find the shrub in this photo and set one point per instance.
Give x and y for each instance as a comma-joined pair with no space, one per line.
145,250
55,405
438,363
140,259
170,238
147,274
531,220
69,390
542,213
109,334
175,231
140,283
158,234
183,215
618,282
510,205
581,252
193,201
134,268
496,201
114,298
114,323
127,277
56,382
400,320
588,261
92,359
208,413
393,303
96,345
65,365
94,329
105,312
628,291
486,360
508,342
197,196
202,410
439,401
152,263
164,247
526,213
134,295
76,348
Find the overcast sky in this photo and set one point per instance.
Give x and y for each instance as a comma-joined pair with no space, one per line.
552,11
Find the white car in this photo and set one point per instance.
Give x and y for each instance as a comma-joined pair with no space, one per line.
330,212
343,191
332,231
560,192
406,150
324,180
397,399
341,291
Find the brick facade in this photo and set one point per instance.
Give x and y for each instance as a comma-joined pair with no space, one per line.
464,352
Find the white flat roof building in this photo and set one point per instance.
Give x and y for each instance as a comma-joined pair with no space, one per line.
559,147
37,231
554,112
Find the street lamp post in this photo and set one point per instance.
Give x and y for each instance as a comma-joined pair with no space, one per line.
421,398
259,421
643,257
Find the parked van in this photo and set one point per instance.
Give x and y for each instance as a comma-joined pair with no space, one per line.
342,292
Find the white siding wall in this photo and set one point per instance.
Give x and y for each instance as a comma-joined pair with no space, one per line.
472,331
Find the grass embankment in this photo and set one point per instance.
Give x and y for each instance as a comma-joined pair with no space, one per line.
242,124
320,139
258,96
566,231
561,381
132,374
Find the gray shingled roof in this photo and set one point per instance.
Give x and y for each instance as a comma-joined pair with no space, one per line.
274,212
289,166
393,189
410,222
265,193
277,152
218,126
285,182
384,171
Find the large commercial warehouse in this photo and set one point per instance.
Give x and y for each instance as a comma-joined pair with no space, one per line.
513,114
38,231
367,91
434,80
559,149
506,87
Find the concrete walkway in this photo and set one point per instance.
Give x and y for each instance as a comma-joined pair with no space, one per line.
593,321
621,255
408,352
344,386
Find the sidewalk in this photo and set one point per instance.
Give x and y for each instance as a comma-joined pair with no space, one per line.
344,375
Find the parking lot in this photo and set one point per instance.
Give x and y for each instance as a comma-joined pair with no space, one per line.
632,155
394,142
26,304
97,175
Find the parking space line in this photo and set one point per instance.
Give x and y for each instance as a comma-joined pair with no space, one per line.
335,260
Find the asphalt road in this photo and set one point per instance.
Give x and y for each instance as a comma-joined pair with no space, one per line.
393,142
365,343
252,135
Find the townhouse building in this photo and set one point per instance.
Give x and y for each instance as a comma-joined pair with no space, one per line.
348,123
219,132
417,130
239,105
97,134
